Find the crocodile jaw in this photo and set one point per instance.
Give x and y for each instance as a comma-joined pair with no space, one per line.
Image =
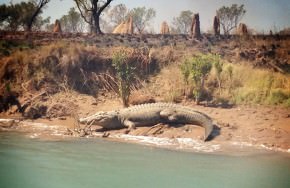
100,118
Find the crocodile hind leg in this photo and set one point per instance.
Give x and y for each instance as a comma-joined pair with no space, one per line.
169,114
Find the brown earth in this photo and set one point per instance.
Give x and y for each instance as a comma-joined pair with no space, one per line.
249,125
241,125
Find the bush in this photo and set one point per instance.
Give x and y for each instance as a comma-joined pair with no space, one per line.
8,47
125,74
196,69
278,97
287,103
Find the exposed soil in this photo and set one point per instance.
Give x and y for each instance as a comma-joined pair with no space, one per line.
267,127
50,109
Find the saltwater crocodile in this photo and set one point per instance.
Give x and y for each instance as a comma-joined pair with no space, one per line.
149,115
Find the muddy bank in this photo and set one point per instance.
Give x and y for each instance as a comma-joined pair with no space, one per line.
239,130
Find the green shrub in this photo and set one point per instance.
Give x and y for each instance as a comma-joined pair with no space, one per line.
278,97
287,103
195,70
125,74
8,47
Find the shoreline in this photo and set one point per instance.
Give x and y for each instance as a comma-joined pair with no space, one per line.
43,131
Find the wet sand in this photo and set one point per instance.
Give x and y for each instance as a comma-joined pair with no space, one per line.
239,130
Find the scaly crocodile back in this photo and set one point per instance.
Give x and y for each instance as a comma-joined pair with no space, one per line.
185,115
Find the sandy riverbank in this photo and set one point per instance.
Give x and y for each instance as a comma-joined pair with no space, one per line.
240,129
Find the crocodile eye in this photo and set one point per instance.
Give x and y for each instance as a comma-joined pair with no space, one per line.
102,119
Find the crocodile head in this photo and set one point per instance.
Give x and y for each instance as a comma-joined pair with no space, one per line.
104,119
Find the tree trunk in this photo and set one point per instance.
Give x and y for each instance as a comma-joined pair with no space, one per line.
97,28
41,4
32,19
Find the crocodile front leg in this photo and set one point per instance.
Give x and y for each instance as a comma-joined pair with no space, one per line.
129,124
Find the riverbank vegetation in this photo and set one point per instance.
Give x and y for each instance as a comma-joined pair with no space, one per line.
165,73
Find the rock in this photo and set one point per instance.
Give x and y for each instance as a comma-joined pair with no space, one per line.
164,28
126,27
216,26
242,29
195,27
57,27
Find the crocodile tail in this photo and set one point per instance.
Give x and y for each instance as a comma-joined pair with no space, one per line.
208,129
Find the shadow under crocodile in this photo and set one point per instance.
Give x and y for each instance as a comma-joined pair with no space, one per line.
215,132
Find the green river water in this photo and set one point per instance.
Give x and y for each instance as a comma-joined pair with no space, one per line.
88,163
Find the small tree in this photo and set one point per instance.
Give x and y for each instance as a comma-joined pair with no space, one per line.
39,5
91,12
40,23
72,22
4,13
23,15
230,17
125,74
118,14
10,16
142,17
196,70
182,23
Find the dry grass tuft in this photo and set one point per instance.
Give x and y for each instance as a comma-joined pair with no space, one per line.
253,86
167,85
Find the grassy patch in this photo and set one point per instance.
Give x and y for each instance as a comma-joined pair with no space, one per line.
256,86
8,47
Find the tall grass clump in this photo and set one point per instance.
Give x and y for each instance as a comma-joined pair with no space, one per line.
257,86
125,74
218,67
